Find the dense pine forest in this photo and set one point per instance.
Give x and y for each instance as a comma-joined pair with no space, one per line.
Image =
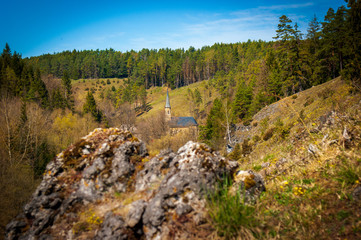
39,115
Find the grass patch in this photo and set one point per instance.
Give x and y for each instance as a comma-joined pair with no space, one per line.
229,215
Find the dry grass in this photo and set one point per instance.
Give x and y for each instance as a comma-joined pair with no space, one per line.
179,100
80,88
310,196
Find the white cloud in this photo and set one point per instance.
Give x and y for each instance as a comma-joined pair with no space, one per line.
287,6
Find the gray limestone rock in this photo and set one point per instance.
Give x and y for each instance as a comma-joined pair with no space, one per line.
113,227
135,213
152,192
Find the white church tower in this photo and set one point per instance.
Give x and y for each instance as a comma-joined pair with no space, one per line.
168,115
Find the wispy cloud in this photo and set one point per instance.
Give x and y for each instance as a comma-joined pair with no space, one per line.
287,6
187,29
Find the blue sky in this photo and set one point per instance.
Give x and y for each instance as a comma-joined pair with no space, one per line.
46,26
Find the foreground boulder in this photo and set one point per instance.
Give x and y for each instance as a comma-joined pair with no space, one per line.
105,187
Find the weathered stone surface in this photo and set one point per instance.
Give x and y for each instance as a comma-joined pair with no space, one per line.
112,228
104,187
135,213
312,149
249,183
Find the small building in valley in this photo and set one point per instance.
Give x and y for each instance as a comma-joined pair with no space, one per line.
177,124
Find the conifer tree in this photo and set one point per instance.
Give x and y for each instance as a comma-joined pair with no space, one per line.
242,101
66,83
41,89
213,132
353,69
90,106
57,100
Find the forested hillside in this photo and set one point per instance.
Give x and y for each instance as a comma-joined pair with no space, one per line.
48,102
297,59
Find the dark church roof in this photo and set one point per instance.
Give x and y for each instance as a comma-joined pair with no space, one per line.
182,122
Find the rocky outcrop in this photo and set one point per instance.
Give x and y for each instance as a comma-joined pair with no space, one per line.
106,187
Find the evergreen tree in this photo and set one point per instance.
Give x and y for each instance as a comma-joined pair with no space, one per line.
213,132
197,96
242,101
285,30
66,83
90,106
43,95
353,65
57,100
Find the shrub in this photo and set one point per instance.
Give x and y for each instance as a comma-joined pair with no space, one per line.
246,147
236,153
268,134
247,122
108,81
309,101
281,129
256,138
257,167
264,124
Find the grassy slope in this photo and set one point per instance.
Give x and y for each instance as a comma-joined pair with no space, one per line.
179,100
308,197
79,88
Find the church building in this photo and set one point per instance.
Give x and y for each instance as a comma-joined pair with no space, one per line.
177,124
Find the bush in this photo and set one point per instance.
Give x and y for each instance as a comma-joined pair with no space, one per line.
256,138
236,153
264,124
108,81
246,147
309,101
268,134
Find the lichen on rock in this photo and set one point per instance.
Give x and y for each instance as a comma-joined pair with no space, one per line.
129,195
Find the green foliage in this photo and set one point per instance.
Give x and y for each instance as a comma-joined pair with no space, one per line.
197,96
66,84
352,71
268,134
57,99
242,101
246,147
229,215
264,124
20,79
213,132
348,174
236,153
257,167
90,106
